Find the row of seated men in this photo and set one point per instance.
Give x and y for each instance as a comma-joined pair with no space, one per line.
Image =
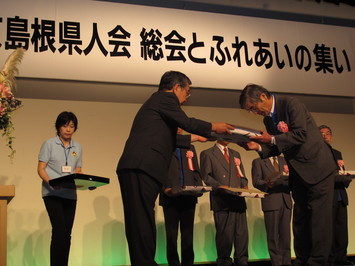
221,167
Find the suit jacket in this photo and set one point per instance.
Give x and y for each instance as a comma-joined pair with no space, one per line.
305,151
152,139
191,178
341,183
279,194
215,171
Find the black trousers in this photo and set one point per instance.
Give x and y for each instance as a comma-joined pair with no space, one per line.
231,230
61,213
278,232
139,193
312,221
340,233
183,213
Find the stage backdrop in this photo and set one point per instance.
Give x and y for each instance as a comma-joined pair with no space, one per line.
98,233
113,42
119,43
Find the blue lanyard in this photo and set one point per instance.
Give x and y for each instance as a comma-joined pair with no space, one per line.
66,154
179,155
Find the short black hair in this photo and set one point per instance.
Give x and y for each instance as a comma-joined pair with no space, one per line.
172,78
252,93
325,126
64,118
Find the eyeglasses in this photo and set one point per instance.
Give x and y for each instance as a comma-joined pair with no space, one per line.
187,90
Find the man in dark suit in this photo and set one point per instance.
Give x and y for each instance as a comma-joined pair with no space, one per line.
144,163
179,209
338,255
221,167
269,175
291,130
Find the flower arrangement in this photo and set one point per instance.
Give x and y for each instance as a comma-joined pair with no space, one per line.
8,102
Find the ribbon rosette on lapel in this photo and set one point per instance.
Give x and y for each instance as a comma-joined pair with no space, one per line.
286,170
74,153
189,156
282,127
237,164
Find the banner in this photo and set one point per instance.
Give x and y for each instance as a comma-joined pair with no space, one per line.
122,43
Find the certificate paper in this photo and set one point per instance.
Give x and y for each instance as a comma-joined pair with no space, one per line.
190,190
242,192
239,134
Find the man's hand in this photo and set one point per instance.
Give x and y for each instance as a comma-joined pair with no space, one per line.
249,145
221,127
264,138
198,138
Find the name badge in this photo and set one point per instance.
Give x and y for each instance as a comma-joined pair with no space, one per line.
66,169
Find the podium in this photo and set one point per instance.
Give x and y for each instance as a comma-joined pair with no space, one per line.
80,181
6,195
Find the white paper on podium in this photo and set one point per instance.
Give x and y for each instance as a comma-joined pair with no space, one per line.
197,188
242,192
190,190
239,134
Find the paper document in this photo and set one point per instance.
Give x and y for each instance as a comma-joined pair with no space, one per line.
190,190
242,192
239,134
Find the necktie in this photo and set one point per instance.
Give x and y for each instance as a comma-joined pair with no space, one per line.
274,114
225,154
270,127
275,164
274,119
178,153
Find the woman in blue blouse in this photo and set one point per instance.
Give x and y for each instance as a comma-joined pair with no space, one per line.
60,156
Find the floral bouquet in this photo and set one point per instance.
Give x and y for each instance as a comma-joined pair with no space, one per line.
8,103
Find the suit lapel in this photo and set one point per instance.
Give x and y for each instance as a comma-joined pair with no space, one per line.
281,115
271,128
268,165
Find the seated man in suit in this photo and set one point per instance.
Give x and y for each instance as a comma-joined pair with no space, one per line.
221,167
180,209
277,206
338,254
